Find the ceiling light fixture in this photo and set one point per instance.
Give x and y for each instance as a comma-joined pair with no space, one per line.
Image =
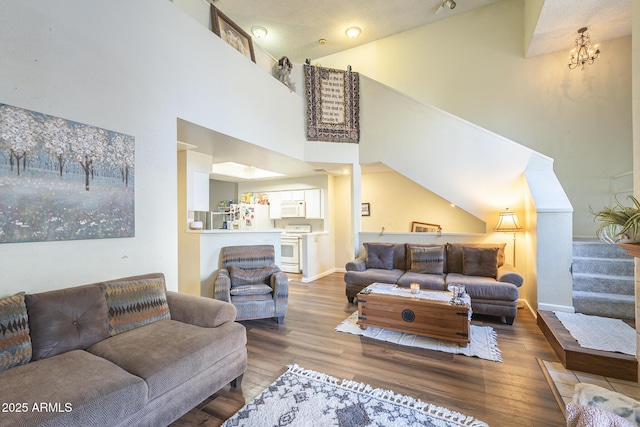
259,32
322,41
352,32
450,4
583,53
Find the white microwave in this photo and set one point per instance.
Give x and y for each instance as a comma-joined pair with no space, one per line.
293,209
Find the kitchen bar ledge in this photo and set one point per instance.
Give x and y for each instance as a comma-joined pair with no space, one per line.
228,231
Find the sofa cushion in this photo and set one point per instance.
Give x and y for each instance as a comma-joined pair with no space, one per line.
251,298
426,281
480,261
67,319
251,290
135,302
15,342
251,276
426,259
249,256
379,255
167,353
484,287
372,275
88,390
454,254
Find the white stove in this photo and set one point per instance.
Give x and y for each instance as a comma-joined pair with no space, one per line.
291,247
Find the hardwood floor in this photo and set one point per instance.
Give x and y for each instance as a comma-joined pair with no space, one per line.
512,393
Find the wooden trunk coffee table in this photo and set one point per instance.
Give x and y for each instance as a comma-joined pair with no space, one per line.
427,313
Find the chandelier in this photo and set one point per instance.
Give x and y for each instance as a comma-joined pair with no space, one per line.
583,53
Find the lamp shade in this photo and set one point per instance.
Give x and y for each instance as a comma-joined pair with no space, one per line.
508,222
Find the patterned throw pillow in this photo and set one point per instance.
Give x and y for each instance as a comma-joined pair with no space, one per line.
480,261
589,416
379,255
591,395
251,276
15,342
134,303
427,260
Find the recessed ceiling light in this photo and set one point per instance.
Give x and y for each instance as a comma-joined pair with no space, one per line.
322,41
352,32
259,32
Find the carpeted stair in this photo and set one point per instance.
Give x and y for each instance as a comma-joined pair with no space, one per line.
603,280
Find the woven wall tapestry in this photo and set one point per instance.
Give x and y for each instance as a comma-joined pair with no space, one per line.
332,104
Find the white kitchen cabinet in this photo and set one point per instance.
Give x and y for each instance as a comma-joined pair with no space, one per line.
291,195
313,200
274,204
200,192
286,196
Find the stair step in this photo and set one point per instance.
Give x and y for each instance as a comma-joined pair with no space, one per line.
598,249
605,283
605,304
609,266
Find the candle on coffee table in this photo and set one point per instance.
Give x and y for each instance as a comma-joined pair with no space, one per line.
415,288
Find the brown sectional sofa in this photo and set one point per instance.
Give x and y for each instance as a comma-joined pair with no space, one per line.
119,353
490,282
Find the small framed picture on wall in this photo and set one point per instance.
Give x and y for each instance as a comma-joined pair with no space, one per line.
366,209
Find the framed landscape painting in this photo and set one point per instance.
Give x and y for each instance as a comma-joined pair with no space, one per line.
63,180
425,227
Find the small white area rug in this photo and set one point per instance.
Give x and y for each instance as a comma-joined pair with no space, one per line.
302,397
483,339
599,333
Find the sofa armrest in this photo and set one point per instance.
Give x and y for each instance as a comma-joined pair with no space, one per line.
222,286
200,311
357,264
280,285
508,273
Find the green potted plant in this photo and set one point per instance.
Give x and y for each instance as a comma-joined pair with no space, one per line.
618,223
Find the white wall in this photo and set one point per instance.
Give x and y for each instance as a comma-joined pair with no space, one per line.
132,67
473,66
396,201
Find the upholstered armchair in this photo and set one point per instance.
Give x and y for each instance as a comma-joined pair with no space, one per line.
251,281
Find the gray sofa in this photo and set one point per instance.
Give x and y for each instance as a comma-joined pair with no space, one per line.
119,353
490,282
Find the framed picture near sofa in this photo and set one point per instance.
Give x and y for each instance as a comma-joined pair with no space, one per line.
424,227
365,209
231,33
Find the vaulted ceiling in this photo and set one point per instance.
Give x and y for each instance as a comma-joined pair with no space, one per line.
295,27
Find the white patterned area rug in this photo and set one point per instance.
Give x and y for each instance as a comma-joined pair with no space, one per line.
483,339
302,397
599,333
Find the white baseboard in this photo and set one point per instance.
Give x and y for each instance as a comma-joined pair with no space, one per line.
319,276
554,307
